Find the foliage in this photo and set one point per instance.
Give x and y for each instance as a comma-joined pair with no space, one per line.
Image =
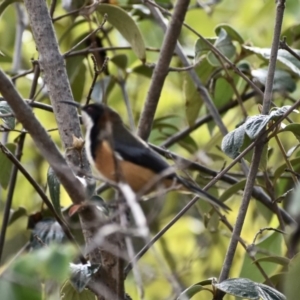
231,61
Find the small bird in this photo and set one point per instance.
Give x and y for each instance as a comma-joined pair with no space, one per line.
110,145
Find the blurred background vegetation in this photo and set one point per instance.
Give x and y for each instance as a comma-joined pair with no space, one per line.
194,248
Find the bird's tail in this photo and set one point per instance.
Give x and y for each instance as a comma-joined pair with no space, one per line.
202,194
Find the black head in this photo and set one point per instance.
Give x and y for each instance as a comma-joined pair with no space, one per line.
97,113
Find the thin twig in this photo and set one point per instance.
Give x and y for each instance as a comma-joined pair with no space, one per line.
70,13
10,193
87,37
175,69
96,74
266,229
22,74
36,75
285,46
52,8
112,48
201,121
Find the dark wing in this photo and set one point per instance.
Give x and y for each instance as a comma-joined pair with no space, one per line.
132,149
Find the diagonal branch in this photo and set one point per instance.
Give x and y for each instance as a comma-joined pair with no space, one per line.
42,140
162,68
192,73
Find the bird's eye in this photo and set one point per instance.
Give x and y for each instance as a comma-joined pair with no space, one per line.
89,109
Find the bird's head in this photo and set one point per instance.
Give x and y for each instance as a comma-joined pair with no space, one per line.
96,114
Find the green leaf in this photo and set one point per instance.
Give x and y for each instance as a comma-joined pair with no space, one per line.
235,36
54,189
68,33
69,293
166,121
123,22
283,81
52,261
5,166
295,162
268,293
224,45
13,289
277,112
193,99
269,242
193,289
213,222
279,260
5,56
223,92
291,283
244,66
255,124
17,214
291,34
233,190
142,70
120,60
293,128
190,292
248,156
283,56
202,48
78,82
233,141
189,144
5,109
239,287
4,4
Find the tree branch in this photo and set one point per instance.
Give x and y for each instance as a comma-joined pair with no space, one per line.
161,69
198,84
55,76
257,151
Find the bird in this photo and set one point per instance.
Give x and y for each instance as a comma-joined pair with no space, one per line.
111,148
